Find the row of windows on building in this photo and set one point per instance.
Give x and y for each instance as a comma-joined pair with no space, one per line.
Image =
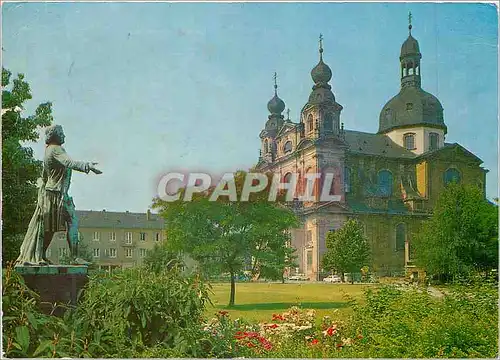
108,253
286,148
409,141
384,180
129,236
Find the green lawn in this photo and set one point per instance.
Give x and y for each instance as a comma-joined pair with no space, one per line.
258,301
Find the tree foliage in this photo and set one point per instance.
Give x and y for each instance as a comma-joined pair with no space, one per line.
161,258
223,235
272,265
461,236
347,249
19,169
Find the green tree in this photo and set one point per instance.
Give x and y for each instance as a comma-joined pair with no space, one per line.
223,235
162,258
273,257
462,235
19,169
347,249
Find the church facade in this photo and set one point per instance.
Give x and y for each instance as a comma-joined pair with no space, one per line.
389,180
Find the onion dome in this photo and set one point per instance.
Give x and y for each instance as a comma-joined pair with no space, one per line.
321,73
275,105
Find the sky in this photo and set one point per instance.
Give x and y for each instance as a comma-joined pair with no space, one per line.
149,88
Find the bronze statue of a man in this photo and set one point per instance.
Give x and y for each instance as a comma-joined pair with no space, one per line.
55,210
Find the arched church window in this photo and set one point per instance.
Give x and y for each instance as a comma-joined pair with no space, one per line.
287,178
388,116
385,182
266,146
409,141
433,141
347,179
451,175
328,124
310,123
287,147
400,236
410,69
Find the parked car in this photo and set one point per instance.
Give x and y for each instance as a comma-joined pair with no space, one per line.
298,277
333,279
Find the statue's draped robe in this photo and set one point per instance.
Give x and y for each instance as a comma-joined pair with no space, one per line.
53,210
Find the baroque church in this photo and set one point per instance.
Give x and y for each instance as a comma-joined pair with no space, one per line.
389,181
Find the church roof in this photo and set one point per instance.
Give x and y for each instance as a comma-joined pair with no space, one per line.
375,144
449,146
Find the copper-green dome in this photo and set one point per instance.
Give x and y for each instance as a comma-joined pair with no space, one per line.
411,107
276,105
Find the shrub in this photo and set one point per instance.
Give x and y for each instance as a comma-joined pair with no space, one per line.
413,323
131,313
144,309
27,332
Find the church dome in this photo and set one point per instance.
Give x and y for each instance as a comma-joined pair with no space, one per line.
321,73
411,107
410,47
276,105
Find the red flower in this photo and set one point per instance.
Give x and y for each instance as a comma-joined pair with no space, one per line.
339,346
360,336
223,313
331,331
314,341
277,317
272,326
250,344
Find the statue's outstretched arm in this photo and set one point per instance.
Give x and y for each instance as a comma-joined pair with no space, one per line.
62,157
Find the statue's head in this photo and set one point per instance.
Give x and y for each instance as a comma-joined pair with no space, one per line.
54,135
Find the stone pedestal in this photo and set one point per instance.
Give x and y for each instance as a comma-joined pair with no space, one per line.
56,284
